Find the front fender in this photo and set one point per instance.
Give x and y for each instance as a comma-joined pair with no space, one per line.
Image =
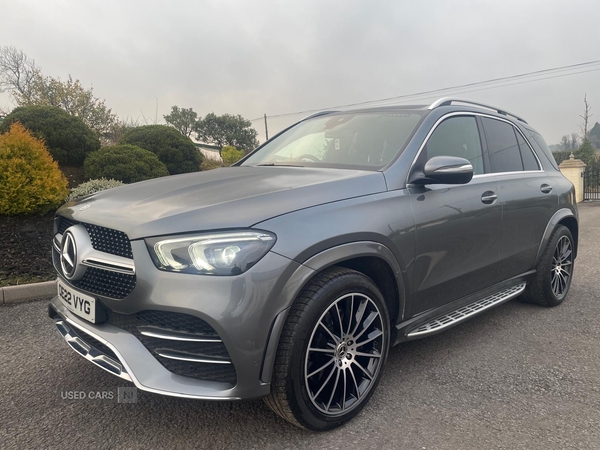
312,266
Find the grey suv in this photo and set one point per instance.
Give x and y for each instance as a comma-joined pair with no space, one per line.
290,274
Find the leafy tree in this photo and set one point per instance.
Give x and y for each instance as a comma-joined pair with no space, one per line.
17,71
71,97
68,139
586,152
227,130
594,135
126,163
176,151
561,155
31,181
569,143
231,154
182,119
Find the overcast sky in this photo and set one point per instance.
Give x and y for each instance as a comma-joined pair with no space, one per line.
255,57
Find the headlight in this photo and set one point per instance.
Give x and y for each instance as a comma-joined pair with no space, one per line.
229,253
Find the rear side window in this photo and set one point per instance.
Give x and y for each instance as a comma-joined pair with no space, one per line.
503,148
529,161
457,136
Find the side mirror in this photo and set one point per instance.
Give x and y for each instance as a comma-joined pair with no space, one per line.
443,170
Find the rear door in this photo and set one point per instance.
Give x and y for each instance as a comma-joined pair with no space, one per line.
458,227
527,193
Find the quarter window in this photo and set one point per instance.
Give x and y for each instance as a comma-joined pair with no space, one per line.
457,136
529,161
502,146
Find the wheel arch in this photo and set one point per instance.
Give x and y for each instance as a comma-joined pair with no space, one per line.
373,259
566,217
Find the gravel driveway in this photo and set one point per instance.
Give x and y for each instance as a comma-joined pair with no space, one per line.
517,377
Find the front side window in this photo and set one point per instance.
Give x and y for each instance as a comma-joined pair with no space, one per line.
364,140
457,136
503,148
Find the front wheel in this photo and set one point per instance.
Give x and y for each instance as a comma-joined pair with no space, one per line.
332,351
554,271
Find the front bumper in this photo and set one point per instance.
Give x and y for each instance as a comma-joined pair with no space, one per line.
246,312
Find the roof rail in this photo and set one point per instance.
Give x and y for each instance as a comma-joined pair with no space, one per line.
446,101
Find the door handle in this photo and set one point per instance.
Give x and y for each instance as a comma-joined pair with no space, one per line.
489,197
546,188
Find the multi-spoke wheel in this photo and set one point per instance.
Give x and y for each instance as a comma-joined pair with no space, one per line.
332,350
562,265
554,271
344,354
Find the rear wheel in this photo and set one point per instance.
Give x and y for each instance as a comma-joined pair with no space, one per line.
332,351
552,281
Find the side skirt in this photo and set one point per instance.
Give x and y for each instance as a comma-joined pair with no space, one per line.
442,318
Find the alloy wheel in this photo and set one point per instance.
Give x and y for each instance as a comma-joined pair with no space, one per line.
344,355
562,267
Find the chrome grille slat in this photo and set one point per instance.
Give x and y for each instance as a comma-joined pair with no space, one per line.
463,313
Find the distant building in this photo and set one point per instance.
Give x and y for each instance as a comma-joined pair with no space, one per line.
209,151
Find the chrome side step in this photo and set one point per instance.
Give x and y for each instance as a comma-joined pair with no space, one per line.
464,312
90,353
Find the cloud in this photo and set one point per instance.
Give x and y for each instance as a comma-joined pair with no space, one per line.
275,57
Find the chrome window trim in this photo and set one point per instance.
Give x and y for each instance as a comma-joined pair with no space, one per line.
470,113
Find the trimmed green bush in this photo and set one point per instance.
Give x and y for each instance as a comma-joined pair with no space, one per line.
67,138
126,163
30,180
175,150
91,187
231,154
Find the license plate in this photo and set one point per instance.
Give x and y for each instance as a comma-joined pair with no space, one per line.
80,304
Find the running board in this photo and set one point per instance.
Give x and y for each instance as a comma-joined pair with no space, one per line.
452,318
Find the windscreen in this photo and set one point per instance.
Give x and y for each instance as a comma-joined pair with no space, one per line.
365,141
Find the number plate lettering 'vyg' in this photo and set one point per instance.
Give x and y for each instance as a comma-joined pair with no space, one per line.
80,304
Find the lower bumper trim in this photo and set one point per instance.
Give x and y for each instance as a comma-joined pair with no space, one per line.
90,353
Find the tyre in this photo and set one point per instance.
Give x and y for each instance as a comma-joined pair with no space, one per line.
333,347
552,280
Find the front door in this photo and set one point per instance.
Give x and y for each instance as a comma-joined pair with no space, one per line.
457,227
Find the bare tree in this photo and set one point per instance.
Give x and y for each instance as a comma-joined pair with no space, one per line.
586,118
17,71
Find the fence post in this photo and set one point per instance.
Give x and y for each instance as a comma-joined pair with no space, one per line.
573,170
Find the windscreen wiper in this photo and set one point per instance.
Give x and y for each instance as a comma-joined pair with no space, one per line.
279,165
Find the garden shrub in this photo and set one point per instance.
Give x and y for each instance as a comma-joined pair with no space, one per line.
91,187
31,181
175,150
126,163
231,154
67,138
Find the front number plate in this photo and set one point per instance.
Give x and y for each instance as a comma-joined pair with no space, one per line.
80,304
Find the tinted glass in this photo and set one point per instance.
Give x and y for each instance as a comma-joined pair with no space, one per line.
529,161
545,150
457,136
366,140
502,146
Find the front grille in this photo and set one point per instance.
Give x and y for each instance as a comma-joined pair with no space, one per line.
103,239
99,281
182,323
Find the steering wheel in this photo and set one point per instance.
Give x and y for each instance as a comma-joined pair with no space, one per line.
309,157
